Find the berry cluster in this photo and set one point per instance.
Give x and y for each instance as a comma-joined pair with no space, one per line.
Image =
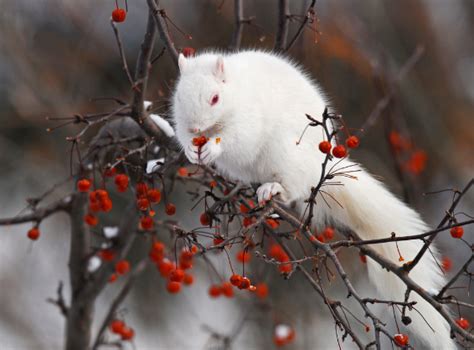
339,151
326,235
277,253
120,328
175,273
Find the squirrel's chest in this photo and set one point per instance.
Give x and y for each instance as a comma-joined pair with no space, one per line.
259,172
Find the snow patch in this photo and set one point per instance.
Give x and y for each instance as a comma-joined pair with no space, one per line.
163,124
93,264
110,231
153,165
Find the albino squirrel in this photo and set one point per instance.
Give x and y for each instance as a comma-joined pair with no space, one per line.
256,103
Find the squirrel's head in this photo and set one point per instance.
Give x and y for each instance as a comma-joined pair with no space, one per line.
200,94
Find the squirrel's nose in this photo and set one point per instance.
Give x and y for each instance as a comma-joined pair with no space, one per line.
194,130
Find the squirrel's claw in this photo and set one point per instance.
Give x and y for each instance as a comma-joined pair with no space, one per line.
266,191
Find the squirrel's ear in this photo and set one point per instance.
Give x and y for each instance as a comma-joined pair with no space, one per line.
219,68
181,62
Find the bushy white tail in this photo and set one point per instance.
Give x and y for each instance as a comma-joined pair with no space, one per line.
370,210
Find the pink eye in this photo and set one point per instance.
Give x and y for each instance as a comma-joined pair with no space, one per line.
214,100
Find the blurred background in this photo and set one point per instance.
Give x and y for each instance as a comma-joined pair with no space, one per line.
57,56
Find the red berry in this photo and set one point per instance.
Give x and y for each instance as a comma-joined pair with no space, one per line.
283,335
170,209
352,142
463,323
142,189
328,233
261,290
199,141
401,339
244,283
339,151
457,232
33,233
173,287
101,195
154,196
214,291
158,247
121,181
119,15
187,255
285,268
109,172
188,51
95,206
325,147
186,258
272,223
113,277
83,185
217,240
363,258
117,326
106,205
91,220
277,252
446,263
244,209
122,267
183,171
321,238
143,204
235,280
248,221
107,254
146,223
127,333
177,275
165,267
155,256
205,219
212,184
188,279
185,265
226,289
243,256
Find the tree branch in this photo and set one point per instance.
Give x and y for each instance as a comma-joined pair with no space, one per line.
283,21
39,214
239,21
307,16
158,15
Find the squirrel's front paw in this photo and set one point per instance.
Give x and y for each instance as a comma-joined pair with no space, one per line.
205,154
266,191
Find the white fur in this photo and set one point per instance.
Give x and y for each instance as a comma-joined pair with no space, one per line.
263,99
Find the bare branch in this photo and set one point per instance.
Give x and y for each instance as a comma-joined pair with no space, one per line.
118,300
307,16
239,21
158,15
40,214
283,22
59,301
443,221
122,53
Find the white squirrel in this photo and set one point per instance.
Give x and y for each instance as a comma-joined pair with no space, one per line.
256,103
